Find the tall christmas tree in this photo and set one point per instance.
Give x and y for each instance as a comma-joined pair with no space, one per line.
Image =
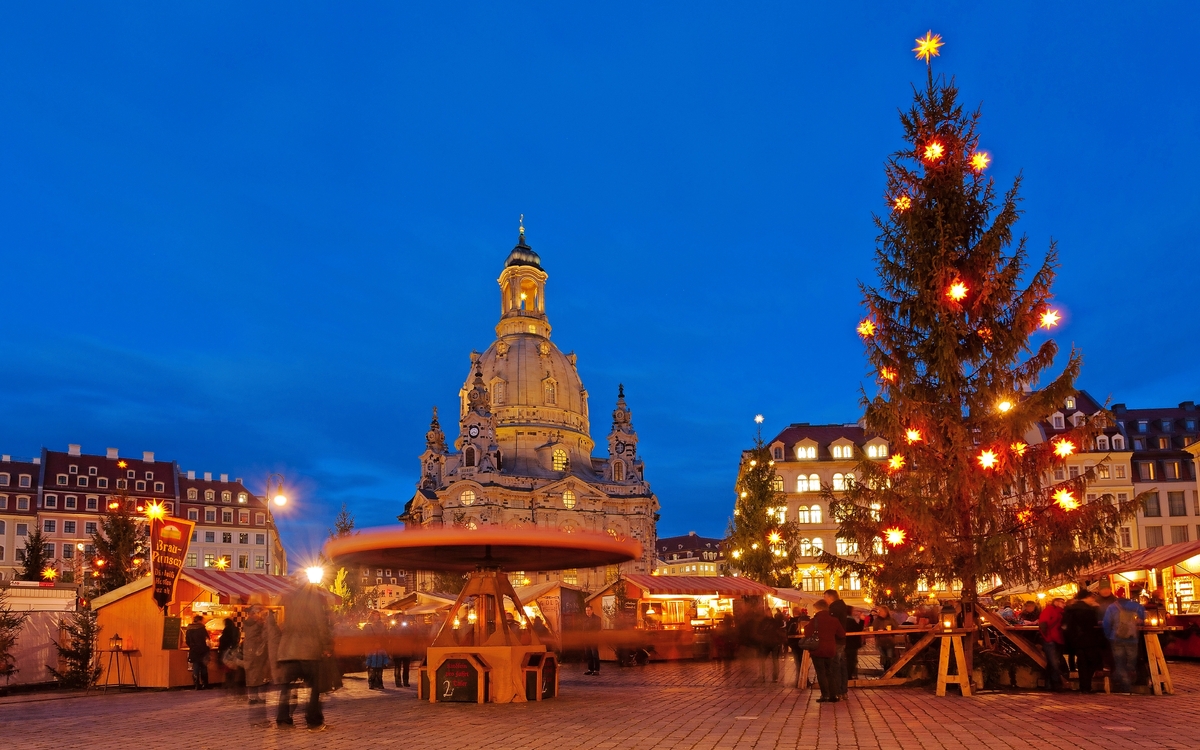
963,499
36,562
121,545
760,542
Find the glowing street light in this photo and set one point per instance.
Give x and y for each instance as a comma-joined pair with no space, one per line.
276,494
315,573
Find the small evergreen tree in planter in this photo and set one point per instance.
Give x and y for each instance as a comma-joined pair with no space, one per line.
77,657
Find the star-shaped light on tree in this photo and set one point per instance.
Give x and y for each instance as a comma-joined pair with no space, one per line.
980,161
1066,500
49,574
887,374
895,536
156,510
1050,319
987,459
896,462
1004,407
957,291
866,328
1064,448
1024,516
902,203
758,419
121,464
1019,448
774,537
913,436
928,46
934,151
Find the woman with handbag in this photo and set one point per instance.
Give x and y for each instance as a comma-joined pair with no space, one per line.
826,629
228,650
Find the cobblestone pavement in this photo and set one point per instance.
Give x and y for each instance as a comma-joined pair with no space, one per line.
670,705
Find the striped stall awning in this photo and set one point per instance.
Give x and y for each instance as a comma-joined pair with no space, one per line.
238,588
723,586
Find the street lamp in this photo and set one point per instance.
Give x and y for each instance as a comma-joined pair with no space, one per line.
277,495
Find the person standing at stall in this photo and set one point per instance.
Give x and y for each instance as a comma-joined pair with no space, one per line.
826,629
1082,636
591,634
1121,623
227,653
196,638
840,612
304,640
1050,628
377,658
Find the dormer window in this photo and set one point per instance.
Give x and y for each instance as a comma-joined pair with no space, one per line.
1166,425
1142,425
1118,443
210,495
878,450
841,451
558,460
806,451
91,471
777,453
1078,419
1102,442
73,469
1070,403
1058,422
192,493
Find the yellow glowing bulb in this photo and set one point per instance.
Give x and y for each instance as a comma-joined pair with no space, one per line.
902,203
895,537
866,328
1066,500
774,537
754,463
913,436
1004,406
934,151
1019,448
957,291
1064,448
928,46
1050,319
987,459
745,494
737,553
156,510
887,374
896,462
980,160
49,574
222,563
1023,516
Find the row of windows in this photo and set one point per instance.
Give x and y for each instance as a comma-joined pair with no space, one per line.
22,502
809,452
50,526
1179,534
812,482
467,497
1102,472
243,516
23,480
1176,505
227,561
227,537
1166,424
1148,470
211,495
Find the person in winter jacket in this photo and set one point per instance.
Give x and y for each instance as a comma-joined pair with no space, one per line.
1083,637
196,638
227,646
1121,623
377,658
1050,627
826,629
306,637
256,657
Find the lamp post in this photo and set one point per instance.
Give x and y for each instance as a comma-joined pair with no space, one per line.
279,499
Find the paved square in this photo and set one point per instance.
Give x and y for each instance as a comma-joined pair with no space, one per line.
670,705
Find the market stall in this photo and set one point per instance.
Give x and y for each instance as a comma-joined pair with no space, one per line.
156,638
677,614
558,604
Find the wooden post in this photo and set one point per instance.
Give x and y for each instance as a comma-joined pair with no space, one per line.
1160,676
952,641
802,672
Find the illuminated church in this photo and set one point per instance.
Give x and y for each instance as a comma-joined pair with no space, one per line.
523,454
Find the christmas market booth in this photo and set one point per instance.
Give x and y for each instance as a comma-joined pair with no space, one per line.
1175,569
148,643
676,617
558,604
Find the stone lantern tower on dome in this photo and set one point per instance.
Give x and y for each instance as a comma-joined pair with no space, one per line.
523,454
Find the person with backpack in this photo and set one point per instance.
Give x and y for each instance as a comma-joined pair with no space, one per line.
1121,623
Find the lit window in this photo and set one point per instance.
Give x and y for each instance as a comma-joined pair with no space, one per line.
227,497
806,548
618,469
467,497
818,546
192,494
1119,471
839,483
847,547
1102,471
802,515
1126,537
1070,403
210,495
841,451
551,393
242,497
210,560
814,513
558,461
806,451
568,498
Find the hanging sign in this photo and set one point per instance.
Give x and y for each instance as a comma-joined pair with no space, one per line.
169,538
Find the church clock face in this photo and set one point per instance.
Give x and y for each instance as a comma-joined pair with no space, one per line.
620,448
473,431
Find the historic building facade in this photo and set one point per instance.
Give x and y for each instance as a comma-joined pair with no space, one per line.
523,453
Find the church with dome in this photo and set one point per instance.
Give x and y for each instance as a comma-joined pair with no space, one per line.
523,454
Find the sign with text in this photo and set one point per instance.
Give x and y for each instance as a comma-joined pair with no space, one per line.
172,633
169,538
457,681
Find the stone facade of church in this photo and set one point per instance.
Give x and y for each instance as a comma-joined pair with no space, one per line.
523,454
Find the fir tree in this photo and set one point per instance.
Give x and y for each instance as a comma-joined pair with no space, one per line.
10,629
962,499
77,651
345,584
36,559
761,545
121,545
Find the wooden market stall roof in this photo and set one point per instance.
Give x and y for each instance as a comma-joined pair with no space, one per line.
227,586
723,586
1165,556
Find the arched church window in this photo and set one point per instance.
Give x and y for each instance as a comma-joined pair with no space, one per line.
469,456
568,499
467,497
618,469
559,459
551,393
498,393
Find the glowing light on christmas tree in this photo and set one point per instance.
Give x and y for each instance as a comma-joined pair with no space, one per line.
896,462
758,419
774,537
894,536
934,151
866,328
887,374
987,459
1066,500
1019,448
957,291
121,464
1024,516
928,46
49,574
913,436
156,510
985,333
1064,448
902,203
1004,406
980,161
1050,319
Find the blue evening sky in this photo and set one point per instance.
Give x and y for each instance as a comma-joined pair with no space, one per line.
265,237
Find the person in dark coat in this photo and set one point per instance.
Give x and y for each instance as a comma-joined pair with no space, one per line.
591,649
403,636
227,644
1083,636
196,638
255,654
305,638
826,629
377,657
839,611
770,633
853,625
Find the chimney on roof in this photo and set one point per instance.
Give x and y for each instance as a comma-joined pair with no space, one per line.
191,475
238,480
112,453
224,477
5,458
691,533
1118,408
148,456
208,476
37,460
1188,405
73,449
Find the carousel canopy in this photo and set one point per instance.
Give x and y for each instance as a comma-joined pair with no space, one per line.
457,549
722,586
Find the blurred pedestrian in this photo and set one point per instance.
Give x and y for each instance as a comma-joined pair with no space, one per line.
196,639
825,628
227,651
1083,637
377,658
1121,627
305,639
1050,628
591,646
